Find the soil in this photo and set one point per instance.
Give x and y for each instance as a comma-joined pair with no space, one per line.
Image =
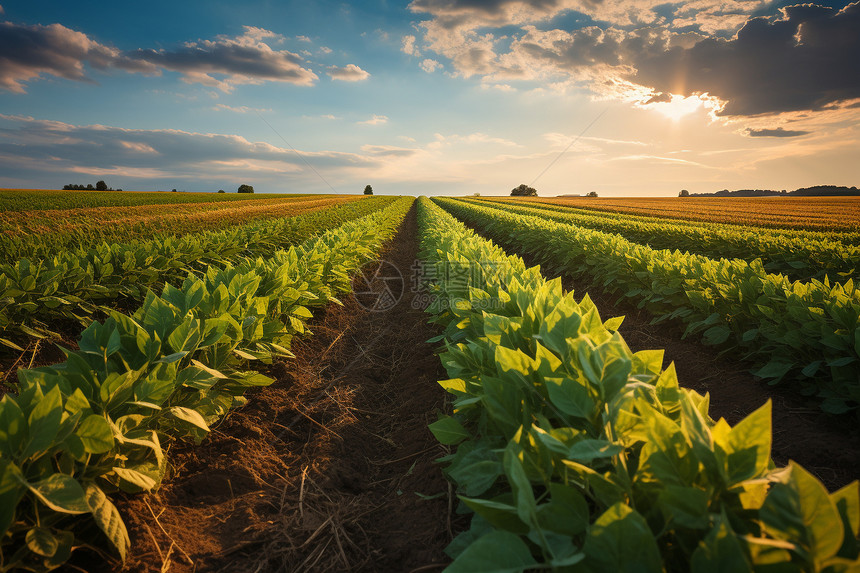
329,469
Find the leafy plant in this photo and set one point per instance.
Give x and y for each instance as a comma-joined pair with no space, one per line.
96,424
576,454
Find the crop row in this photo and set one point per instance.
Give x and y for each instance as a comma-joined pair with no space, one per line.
41,199
810,213
808,331
38,234
575,454
799,257
76,284
100,422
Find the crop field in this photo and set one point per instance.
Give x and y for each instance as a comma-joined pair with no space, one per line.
811,213
349,383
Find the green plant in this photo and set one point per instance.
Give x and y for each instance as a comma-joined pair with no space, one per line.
576,454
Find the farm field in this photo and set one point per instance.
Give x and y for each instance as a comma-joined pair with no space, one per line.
253,392
809,213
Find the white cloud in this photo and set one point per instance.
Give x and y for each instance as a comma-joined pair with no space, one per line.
430,66
223,63
348,73
408,46
375,120
239,109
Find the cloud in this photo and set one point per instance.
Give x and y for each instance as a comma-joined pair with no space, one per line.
388,151
28,52
239,109
303,39
797,62
430,66
349,73
647,51
50,146
777,132
325,50
375,120
408,46
472,138
706,15
226,62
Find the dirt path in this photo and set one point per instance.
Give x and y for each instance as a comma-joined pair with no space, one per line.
321,471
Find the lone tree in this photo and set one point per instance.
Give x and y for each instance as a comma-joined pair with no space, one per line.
101,186
221,191
684,193
246,189
523,190
368,190
592,194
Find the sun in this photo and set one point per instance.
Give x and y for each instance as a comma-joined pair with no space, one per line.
677,107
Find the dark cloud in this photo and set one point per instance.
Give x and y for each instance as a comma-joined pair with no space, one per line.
808,59
57,146
776,132
27,52
659,98
244,59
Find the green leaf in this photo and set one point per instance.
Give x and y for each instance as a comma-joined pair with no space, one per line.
847,501
61,493
588,450
750,443
193,417
801,511
620,541
449,431
13,427
570,396
11,491
135,478
521,486
96,434
514,360
495,552
566,513
613,324
775,369
720,551
108,519
684,506
44,423
41,541
499,515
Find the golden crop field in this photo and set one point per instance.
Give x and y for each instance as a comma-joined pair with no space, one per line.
811,213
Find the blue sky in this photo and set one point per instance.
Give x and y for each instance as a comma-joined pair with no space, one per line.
430,96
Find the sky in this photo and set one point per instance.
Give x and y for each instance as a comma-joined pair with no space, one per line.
435,97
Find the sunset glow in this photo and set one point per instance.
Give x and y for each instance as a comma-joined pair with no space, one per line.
431,96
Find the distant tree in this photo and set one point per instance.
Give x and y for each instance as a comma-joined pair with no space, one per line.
118,189
476,194
90,187
684,193
368,190
246,189
173,190
221,191
591,194
101,186
523,190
